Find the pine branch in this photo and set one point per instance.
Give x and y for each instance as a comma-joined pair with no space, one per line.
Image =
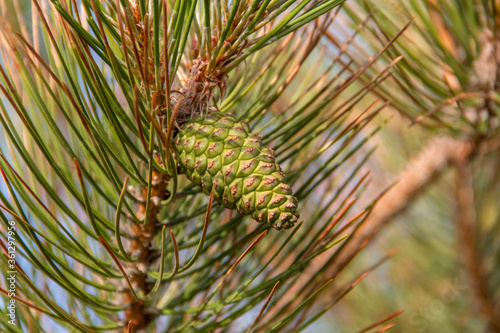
109,87
468,238
421,171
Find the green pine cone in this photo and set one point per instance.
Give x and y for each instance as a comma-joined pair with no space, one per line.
217,152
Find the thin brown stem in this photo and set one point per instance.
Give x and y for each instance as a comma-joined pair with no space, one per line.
381,321
268,300
119,265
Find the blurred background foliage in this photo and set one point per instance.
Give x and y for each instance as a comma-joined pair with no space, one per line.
444,93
